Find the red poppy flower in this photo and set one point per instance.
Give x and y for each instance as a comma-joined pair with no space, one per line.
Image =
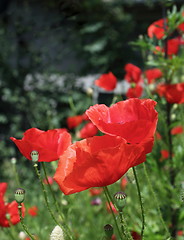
135,235
172,47
124,183
133,73
49,144
152,74
177,130
96,162
89,130
74,121
180,233
134,92
33,211
156,29
164,154
133,119
107,81
8,209
95,191
181,26
50,180
158,136
174,93
111,206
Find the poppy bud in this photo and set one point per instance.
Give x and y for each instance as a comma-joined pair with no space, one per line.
19,195
133,85
35,156
120,200
108,230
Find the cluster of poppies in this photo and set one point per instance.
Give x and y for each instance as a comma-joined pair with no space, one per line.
174,93
98,161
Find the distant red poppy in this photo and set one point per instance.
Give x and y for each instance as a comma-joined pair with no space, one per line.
133,73
107,81
50,180
164,154
8,209
89,130
95,191
158,136
174,93
172,47
111,206
135,235
177,130
152,74
133,119
33,211
156,29
74,121
180,233
181,25
96,162
124,183
49,144
135,92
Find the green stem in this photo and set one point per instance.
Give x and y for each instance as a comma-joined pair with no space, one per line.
108,197
54,198
23,224
140,200
9,233
16,175
124,227
47,202
156,200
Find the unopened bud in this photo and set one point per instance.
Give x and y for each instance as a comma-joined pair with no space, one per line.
120,200
35,156
13,160
19,195
57,234
108,229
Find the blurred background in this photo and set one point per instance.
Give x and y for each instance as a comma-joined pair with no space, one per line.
50,50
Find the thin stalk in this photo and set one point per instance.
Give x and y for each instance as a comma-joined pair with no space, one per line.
47,201
156,200
108,197
16,175
124,226
122,220
23,224
140,200
55,200
53,195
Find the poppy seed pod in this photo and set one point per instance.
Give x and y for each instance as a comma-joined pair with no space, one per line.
108,230
120,200
19,195
35,156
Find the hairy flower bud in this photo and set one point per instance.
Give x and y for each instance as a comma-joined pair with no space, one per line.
19,195
57,234
108,231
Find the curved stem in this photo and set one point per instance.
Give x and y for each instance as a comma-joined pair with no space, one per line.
108,197
46,200
23,224
141,203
